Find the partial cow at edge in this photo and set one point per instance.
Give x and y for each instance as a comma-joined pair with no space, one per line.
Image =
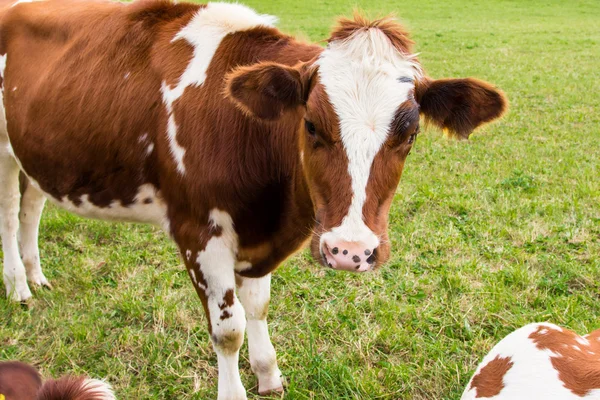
19,381
539,361
240,141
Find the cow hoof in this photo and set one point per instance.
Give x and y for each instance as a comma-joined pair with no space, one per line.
272,388
43,282
278,391
18,295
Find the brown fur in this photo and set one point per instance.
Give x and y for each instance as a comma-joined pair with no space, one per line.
459,105
19,381
578,364
395,32
489,381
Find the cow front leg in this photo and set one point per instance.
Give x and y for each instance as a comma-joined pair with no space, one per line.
211,269
255,294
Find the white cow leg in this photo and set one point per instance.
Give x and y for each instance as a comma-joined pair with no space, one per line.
255,295
32,205
15,278
213,276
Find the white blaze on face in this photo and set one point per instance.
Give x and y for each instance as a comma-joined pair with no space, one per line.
361,77
205,32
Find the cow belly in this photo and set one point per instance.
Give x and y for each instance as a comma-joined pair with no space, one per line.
147,207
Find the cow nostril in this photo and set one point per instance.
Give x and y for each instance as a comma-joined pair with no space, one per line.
367,252
356,259
372,258
334,251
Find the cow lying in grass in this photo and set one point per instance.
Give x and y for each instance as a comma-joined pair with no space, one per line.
539,361
20,381
240,141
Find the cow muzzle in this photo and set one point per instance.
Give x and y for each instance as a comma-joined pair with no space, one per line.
349,256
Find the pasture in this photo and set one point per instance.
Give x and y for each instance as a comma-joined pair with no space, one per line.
487,236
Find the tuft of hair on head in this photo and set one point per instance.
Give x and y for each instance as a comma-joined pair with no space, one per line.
389,26
76,388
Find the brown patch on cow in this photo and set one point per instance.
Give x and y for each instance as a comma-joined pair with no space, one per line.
458,106
489,382
577,359
19,381
225,315
230,342
391,28
228,299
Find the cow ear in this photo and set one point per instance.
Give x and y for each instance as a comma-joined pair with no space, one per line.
458,106
266,90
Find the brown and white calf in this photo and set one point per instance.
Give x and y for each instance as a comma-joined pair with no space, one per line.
539,361
240,141
20,381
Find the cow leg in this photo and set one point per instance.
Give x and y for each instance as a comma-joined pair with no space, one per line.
212,272
32,205
15,278
255,295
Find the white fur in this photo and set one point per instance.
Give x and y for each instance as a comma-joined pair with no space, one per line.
532,375
216,262
205,32
102,388
153,213
32,205
255,294
14,274
360,76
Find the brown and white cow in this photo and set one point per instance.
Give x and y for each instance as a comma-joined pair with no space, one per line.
19,381
240,141
539,361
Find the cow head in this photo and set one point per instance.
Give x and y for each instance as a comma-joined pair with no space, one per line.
361,101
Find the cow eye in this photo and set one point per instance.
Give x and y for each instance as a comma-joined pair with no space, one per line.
412,137
310,128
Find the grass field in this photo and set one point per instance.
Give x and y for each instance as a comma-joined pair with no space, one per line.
488,235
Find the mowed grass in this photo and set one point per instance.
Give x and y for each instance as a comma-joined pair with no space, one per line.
488,235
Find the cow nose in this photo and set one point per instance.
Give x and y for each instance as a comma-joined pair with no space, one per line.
349,256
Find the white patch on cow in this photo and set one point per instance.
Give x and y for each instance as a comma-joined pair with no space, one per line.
255,294
23,1
242,266
360,76
188,254
532,375
127,75
193,276
205,32
150,149
583,341
216,262
14,89
143,138
2,67
101,389
154,212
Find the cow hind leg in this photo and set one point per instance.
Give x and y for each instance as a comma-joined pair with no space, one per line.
255,295
15,277
32,205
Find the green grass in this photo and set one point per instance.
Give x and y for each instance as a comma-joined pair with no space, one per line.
488,235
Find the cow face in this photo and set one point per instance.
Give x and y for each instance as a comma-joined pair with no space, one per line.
361,103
